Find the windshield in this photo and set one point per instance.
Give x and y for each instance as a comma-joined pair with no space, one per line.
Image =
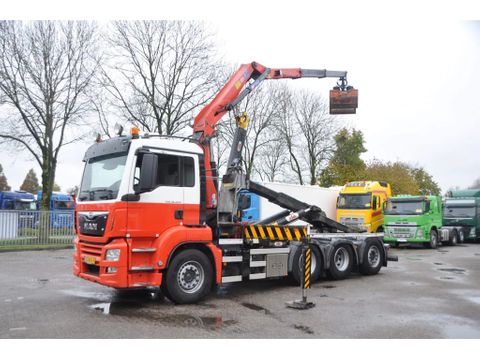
102,176
25,205
63,205
457,211
354,201
404,207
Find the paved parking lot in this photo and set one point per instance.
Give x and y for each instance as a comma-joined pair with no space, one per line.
427,294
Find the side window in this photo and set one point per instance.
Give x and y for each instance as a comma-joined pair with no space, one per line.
9,205
168,170
172,171
374,205
188,167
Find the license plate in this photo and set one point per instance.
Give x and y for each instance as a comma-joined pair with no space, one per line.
89,260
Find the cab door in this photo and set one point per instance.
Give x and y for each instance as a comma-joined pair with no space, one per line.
162,207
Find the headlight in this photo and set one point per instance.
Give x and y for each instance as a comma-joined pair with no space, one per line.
112,255
387,230
420,233
472,231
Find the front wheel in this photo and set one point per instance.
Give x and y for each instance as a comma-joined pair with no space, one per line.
433,239
373,258
341,262
316,265
189,277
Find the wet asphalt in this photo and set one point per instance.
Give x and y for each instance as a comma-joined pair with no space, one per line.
427,294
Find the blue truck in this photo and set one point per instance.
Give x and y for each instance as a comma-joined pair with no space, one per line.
17,200
23,203
62,208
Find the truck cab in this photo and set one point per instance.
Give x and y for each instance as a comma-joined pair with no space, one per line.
17,200
462,212
360,204
414,219
61,207
127,229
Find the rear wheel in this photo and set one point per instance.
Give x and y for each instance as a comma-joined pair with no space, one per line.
341,262
189,277
454,239
316,265
433,239
373,258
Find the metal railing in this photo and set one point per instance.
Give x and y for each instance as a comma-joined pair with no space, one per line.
36,228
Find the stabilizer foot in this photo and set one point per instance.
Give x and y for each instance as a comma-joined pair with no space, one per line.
300,304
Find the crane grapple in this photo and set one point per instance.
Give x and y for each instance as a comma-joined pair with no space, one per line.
343,101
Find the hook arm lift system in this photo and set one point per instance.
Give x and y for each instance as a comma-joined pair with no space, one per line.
343,100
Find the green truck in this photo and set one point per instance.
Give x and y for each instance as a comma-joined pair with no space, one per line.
417,219
461,212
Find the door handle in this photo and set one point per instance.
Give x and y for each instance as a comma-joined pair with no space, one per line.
178,214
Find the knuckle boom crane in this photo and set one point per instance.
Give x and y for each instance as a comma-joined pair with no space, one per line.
150,213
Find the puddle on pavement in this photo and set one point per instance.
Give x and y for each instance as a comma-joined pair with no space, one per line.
437,263
138,311
461,332
474,299
454,271
443,251
477,254
328,286
447,278
257,308
304,329
88,295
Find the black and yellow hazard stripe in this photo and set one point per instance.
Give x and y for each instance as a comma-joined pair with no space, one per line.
276,232
308,266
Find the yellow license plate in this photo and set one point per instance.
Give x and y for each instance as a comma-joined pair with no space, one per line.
89,260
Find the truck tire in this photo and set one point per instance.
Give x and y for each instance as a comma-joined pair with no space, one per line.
341,262
373,258
316,265
433,239
454,238
189,277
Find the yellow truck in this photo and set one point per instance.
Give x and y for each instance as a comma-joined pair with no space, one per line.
360,205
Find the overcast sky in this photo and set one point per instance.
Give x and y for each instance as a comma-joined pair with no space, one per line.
418,79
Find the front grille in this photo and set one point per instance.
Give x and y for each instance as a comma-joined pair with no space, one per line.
406,232
90,249
355,223
92,224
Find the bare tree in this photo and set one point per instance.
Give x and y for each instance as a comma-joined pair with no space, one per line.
160,72
475,184
46,69
317,129
289,134
272,159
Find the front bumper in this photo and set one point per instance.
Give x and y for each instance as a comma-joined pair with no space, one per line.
405,240
89,263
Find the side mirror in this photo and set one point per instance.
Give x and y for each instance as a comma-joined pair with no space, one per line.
148,173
